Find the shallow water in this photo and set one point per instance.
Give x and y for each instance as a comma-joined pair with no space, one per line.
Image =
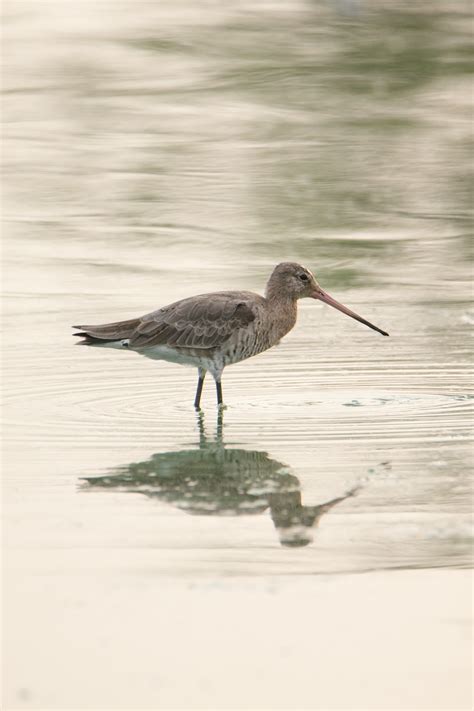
156,151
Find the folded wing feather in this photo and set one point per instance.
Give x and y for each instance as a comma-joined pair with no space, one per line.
204,321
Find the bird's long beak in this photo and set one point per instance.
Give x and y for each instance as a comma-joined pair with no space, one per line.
322,296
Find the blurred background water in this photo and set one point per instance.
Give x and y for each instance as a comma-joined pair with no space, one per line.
154,150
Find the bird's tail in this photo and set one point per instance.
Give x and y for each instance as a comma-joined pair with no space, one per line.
108,333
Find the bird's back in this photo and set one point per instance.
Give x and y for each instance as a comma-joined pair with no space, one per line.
205,322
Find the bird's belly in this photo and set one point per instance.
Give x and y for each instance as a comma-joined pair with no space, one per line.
244,345
174,355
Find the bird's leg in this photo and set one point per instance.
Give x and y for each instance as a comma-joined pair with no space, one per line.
220,401
197,399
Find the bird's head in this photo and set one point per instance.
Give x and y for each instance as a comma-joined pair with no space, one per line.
293,281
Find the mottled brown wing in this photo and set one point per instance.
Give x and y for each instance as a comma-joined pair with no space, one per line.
202,322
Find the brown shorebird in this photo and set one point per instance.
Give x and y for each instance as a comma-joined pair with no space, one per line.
211,331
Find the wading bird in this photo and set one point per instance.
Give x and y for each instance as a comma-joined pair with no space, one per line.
211,331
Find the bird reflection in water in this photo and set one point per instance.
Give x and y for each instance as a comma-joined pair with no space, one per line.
213,480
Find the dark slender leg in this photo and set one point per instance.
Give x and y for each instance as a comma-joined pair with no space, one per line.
197,399
219,392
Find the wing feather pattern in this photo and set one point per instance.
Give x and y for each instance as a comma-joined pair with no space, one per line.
201,322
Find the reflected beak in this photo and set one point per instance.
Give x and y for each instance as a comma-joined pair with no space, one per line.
322,296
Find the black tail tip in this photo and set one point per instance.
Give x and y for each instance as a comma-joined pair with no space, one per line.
87,339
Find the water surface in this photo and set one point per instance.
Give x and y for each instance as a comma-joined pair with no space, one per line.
158,150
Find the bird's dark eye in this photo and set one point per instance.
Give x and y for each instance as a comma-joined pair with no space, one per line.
303,277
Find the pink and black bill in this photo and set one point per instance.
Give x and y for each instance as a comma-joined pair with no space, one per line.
323,296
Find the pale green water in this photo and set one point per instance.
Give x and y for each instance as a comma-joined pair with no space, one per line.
157,150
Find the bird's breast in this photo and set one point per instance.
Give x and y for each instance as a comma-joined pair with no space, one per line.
259,336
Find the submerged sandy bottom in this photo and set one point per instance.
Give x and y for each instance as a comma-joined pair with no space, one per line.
128,639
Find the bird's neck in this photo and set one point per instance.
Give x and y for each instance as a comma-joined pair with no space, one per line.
282,311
